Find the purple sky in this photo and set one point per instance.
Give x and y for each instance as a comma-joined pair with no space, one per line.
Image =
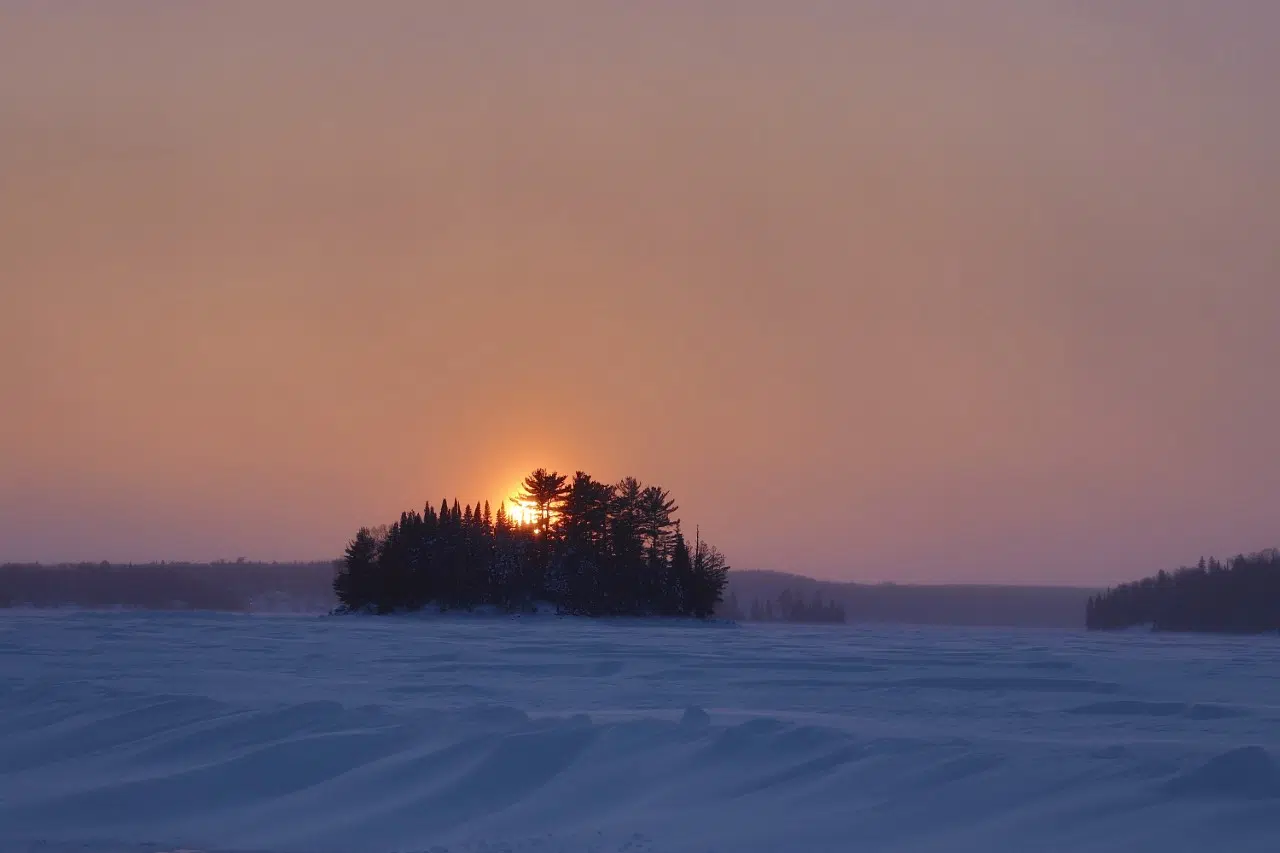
892,290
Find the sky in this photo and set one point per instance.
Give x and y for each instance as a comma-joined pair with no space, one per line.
886,290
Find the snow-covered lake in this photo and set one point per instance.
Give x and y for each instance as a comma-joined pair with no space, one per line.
153,732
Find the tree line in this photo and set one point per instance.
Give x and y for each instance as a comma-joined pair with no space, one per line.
221,586
785,607
1240,595
586,547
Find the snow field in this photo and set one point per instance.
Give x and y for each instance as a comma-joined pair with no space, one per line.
125,733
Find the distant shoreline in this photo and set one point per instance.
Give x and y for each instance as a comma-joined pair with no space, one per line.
304,588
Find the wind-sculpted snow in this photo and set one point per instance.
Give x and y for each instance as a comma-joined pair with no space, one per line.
128,733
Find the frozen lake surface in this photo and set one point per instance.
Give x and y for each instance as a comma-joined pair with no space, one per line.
125,733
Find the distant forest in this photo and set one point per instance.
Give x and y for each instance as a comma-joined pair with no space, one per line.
239,586
307,587
586,547
1240,596
786,607
1036,607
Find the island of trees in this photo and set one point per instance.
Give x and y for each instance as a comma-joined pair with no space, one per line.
1241,596
585,547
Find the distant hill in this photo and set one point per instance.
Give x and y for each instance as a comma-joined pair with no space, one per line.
1058,608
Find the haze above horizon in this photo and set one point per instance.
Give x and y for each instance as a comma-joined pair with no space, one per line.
881,291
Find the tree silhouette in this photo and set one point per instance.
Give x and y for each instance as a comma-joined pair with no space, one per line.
546,491
356,583
596,550
586,510
710,574
654,508
1238,596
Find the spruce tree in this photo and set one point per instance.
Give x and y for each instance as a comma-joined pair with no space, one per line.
626,544
356,581
681,584
710,574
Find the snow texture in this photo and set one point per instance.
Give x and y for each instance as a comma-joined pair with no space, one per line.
150,733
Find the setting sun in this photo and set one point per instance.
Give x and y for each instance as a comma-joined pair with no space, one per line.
521,513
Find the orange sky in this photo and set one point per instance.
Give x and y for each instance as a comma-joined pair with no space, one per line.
883,290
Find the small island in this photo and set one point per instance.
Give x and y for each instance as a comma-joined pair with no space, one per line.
1238,596
581,546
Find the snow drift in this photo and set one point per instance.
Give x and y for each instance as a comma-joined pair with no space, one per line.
132,733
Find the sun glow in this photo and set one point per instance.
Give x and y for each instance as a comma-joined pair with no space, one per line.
525,514
521,514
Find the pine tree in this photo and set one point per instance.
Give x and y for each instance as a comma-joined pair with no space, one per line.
585,509
546,491
654,509
356,581
626,515
681,584
711,573
626,544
